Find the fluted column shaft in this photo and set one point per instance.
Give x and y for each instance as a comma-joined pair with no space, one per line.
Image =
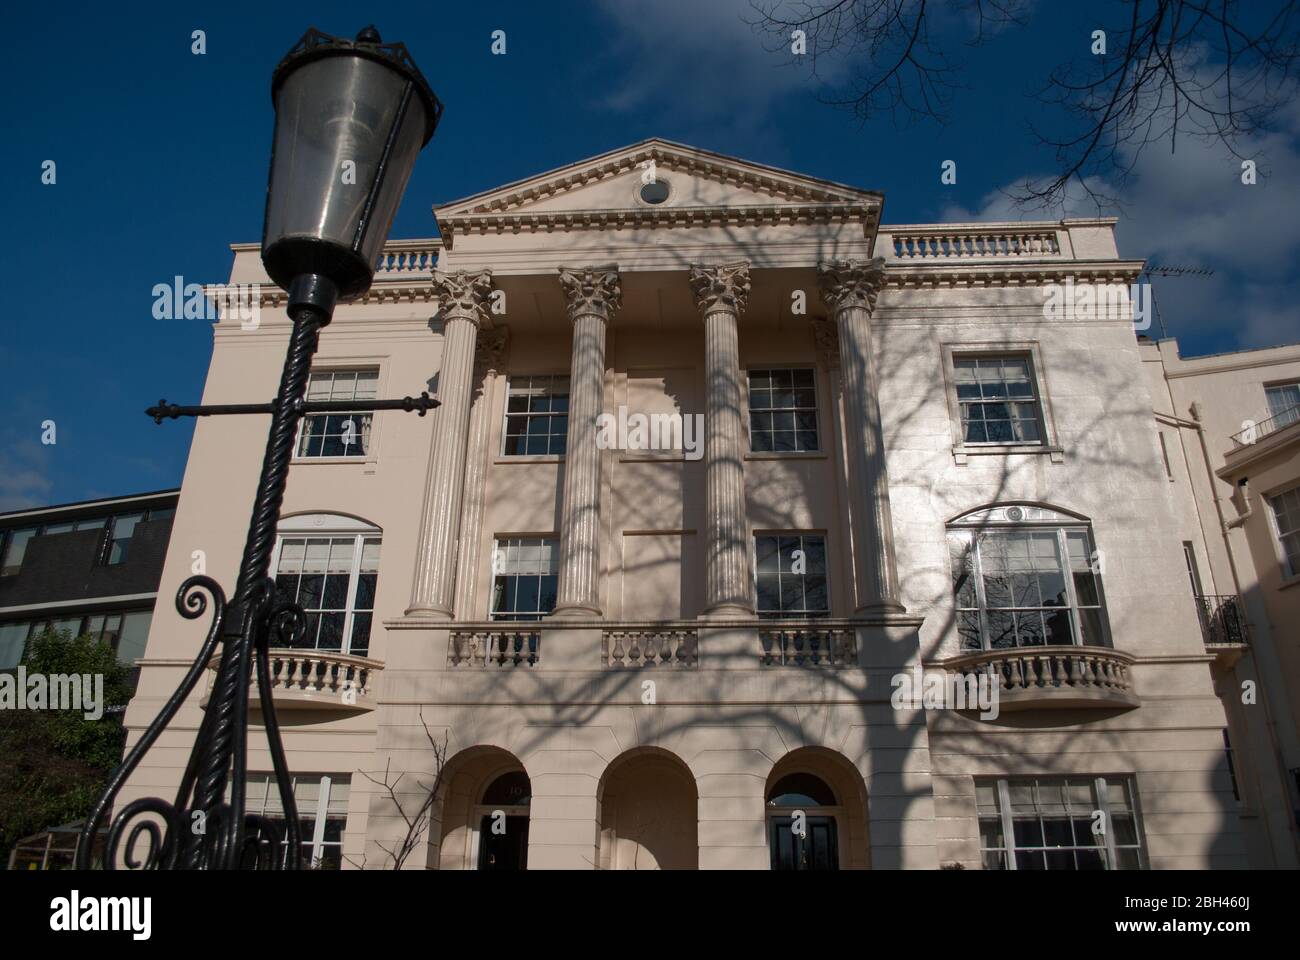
462,304
720,294
850,289
593,295
489,352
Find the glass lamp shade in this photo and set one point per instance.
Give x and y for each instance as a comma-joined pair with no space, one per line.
350,118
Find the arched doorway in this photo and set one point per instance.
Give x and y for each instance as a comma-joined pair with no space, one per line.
816,813
503,823
648,813
802,832
482,814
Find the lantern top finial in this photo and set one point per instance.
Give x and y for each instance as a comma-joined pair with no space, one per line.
316,44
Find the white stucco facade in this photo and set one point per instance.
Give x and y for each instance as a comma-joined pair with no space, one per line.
658,716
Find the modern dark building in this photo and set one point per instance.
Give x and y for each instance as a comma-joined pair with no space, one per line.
91,567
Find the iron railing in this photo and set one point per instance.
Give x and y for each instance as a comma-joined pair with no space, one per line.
1223,621
1252,431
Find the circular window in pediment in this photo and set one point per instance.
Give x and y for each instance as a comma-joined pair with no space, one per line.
654,192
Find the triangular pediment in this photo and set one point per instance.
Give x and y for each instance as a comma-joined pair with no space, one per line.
696,186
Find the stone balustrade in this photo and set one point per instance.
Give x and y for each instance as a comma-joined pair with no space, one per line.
1055,676
649,648
971,243
408,259
302,679
808,645
498,647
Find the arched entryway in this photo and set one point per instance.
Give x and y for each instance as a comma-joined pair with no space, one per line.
816,813
483,813
648,813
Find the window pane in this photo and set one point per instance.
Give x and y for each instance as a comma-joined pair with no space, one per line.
996,379
13,638
16,549
782,411
135,633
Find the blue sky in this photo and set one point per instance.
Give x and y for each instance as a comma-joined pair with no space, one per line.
161,164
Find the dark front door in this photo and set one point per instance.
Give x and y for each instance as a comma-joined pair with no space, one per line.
818,849
503,851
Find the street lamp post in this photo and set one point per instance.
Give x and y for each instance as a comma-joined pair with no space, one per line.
350,118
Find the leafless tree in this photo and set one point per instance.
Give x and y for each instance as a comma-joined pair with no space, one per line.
1218,70
417,821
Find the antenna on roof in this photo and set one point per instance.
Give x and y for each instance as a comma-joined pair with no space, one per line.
1154,271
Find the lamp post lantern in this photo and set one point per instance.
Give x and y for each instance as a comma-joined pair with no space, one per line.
350,118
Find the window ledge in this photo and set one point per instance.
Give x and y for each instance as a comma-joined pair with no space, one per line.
310,460
1289,582
531,458
659,458
961,451
786,455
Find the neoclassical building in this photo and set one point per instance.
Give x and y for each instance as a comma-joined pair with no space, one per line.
721,465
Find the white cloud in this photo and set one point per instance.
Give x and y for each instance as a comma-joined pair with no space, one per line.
700,65
1190,208
24,481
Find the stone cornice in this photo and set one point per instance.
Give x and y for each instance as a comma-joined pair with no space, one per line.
779,184
415,290
900,276
632,218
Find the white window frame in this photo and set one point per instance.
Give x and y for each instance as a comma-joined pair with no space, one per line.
502,541
1100,795
1035,518
317,841
336,365
817,413
1292,412
511,379
1289,573
334,526
1027,349
776,616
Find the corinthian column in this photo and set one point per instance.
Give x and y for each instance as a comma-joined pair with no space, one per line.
488,354
720,293
849,288
462,298
594,295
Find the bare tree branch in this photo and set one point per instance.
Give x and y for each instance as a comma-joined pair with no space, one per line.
417,822
1215,70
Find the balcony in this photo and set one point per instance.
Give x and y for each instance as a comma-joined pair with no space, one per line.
1254,432
1223,625
1060,677
315,680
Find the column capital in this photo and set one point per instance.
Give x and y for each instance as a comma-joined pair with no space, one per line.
851,283
725,285
463,295
592,290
